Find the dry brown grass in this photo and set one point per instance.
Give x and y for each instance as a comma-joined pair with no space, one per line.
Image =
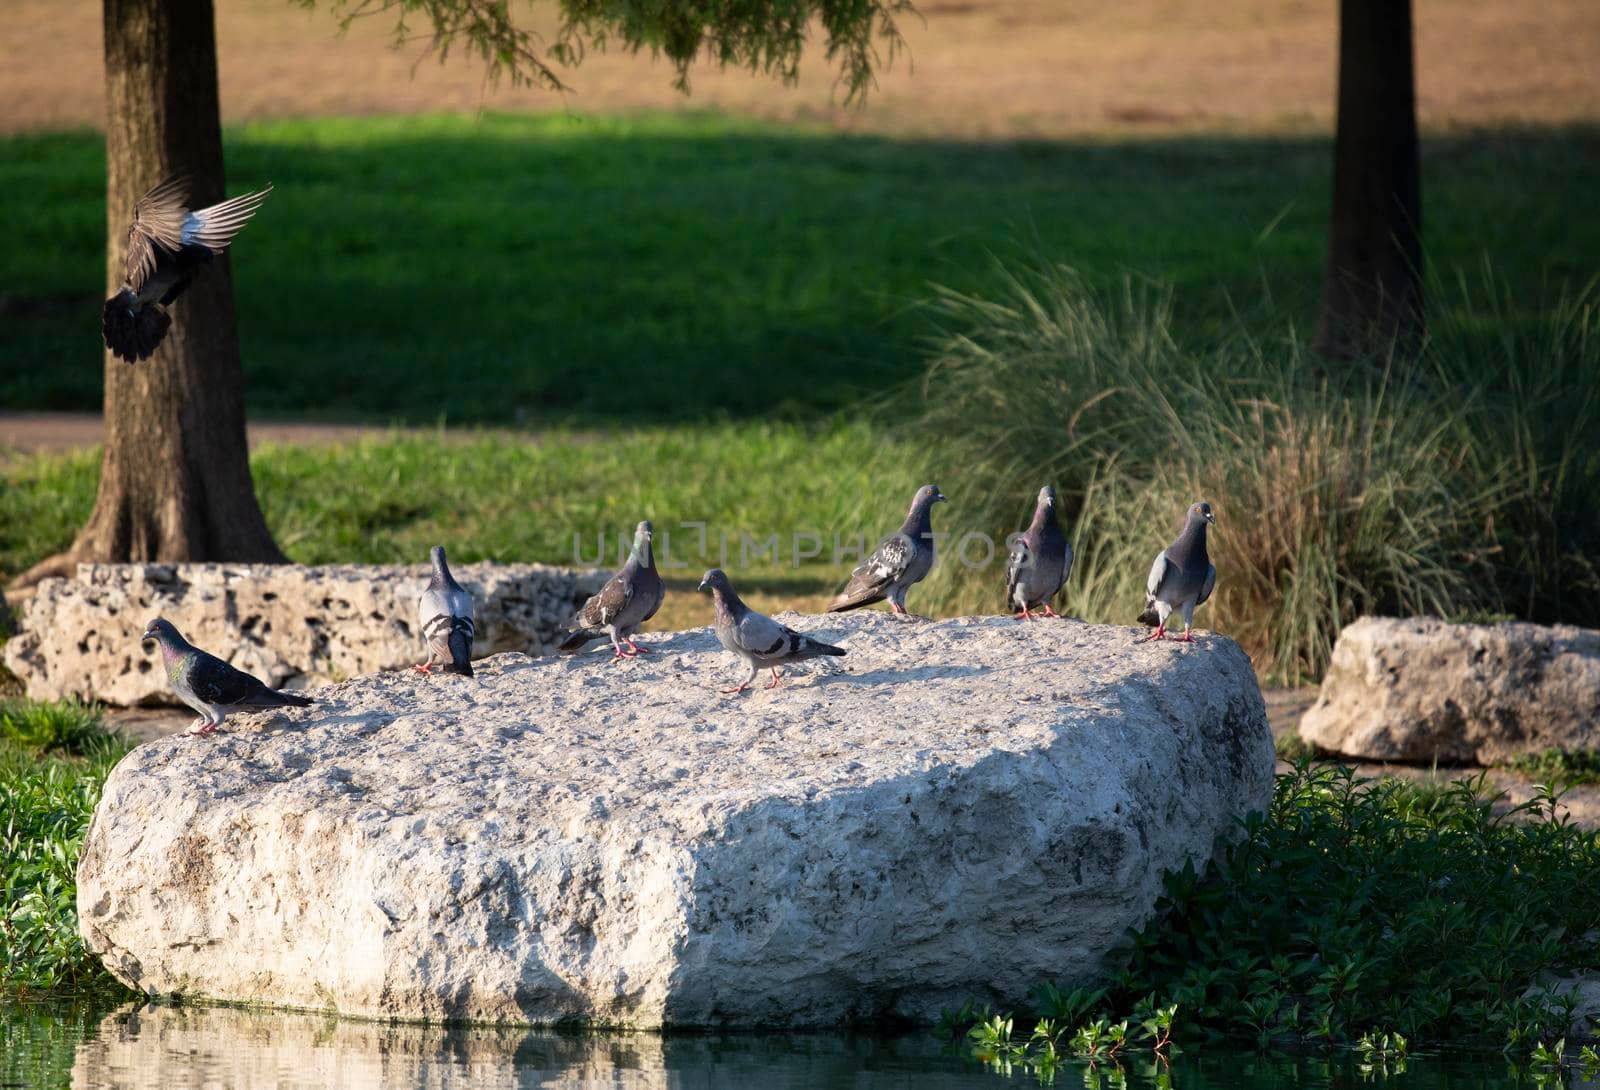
975,68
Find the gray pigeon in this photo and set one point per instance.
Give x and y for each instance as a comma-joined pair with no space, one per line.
1041,559
1182,576
167,246
629,599
444,612
755,637
209,685
901,559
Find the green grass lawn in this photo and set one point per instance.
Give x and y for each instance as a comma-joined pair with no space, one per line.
489,497
682,267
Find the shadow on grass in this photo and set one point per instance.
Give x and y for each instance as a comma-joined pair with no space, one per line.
677,267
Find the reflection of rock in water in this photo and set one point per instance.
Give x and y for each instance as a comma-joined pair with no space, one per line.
177,1048
190,1048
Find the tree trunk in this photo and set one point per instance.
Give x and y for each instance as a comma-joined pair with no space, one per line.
1372,297
175,477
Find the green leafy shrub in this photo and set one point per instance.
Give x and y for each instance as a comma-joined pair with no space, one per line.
1558,767
1372,913
53,762
1376,907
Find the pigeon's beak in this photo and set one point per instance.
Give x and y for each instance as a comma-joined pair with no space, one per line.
148,638
938,497
1210,517
704,585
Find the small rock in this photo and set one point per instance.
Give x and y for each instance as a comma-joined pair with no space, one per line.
1423,690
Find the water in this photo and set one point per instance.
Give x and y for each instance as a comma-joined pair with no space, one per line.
58,1045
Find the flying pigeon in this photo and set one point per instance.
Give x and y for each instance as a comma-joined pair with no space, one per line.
901,559
207,684
167,246
629,599
445,613
1182,576
1040,561
755,637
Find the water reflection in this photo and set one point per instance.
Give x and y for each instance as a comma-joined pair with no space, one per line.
53,1044
179,1048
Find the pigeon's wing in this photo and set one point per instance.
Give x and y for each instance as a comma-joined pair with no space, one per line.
460,603
600,608
1158,573
1014,569
1211,581
215,682
214,227
877,573
158,220
659,590
444,613
763,637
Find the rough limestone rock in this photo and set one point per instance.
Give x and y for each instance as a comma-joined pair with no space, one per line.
961,808
1424,690
289,625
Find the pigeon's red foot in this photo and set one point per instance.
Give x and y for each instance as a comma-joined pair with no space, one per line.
1159,633
1185,638
775,677
423,668
638,649
736,688
896,608
1048,612
1024,615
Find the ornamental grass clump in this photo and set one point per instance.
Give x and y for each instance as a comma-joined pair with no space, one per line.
1459,480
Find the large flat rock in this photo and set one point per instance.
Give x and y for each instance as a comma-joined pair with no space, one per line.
1423,690
971,807
287,624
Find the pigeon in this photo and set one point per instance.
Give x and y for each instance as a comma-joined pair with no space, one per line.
1182,576
209,685
1041,559
445,614
901,559
167,246
629,599
755,637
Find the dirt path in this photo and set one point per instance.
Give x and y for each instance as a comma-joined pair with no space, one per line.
34,432
975,68
31,433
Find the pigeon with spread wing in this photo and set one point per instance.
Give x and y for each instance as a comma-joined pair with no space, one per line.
168,245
